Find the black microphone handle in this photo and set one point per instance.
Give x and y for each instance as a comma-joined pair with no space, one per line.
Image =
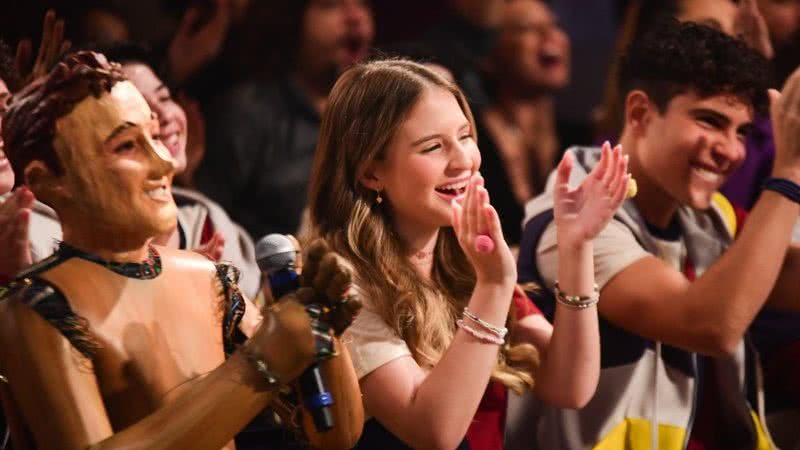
316,399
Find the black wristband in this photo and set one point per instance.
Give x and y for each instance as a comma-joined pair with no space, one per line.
787,188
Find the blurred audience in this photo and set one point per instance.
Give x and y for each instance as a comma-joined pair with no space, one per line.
528,63
783,21
29,229
96,21
463,39
261,134
7,72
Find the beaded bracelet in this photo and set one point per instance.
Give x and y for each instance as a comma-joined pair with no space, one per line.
577,301
486,337
500,332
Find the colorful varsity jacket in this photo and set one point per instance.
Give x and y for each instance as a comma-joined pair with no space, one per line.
646,386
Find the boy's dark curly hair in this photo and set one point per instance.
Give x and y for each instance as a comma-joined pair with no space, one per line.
674,58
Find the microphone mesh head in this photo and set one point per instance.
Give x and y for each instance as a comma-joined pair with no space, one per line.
275,252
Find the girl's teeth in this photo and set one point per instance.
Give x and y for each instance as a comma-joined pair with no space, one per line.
453,187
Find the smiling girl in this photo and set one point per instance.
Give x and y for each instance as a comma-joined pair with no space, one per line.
396,190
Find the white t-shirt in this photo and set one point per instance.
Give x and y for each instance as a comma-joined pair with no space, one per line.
371,341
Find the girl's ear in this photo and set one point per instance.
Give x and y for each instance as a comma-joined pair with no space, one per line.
371,178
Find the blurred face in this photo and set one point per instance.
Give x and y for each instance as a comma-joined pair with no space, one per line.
719,14
532,49
782,17
6,174
337,33
428,162
171,117
102,26
117,174
691,149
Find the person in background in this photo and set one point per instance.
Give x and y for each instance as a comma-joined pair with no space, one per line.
29,229
782,18
261,134
529,62
202,224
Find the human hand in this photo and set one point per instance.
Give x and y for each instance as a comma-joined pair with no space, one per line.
581,213
15,215
785,115
198,40
213,248
750,26
51,47
480,235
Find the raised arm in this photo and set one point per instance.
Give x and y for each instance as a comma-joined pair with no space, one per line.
46,374
711,314
786,294
433,409
15,215
570,349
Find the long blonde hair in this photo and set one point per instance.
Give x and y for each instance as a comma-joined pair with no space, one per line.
365,108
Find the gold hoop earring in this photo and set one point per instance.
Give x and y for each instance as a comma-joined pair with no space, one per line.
378,199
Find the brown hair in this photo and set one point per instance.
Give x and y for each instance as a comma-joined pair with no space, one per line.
29,125
366,106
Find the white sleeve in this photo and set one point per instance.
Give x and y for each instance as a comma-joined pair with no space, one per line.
372,343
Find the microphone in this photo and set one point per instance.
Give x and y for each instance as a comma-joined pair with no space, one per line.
276,256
